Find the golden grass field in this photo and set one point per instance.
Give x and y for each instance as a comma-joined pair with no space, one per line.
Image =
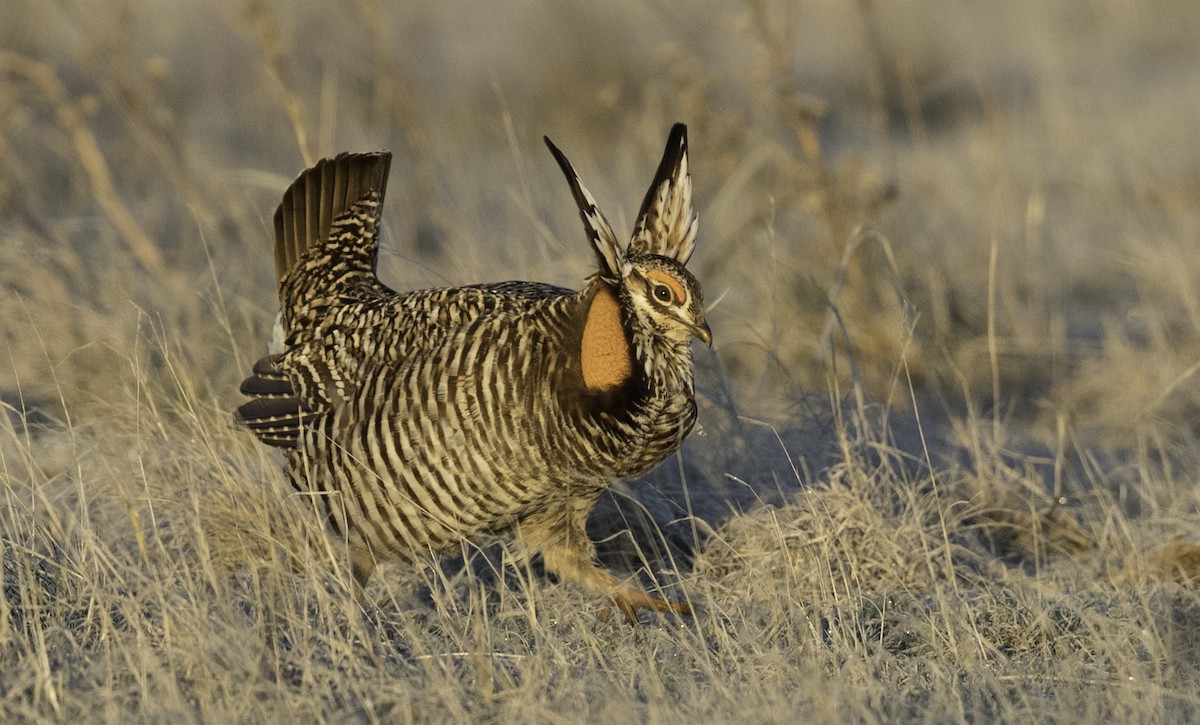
949,462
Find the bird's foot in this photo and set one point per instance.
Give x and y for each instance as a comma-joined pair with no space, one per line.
631,600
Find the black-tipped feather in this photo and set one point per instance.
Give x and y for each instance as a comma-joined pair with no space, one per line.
604,241
666,223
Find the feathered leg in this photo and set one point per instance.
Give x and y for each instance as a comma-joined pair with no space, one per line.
570,555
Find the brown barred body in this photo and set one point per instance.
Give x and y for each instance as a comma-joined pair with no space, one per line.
430,417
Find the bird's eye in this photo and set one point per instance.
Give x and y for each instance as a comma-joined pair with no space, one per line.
662,293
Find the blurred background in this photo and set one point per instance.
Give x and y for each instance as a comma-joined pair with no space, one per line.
993,206
979,217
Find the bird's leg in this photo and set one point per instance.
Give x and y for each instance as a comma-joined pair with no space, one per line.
570,563
570,555
362,565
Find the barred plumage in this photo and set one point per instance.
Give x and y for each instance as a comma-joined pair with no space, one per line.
429,417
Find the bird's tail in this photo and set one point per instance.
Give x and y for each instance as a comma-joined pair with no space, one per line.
327,230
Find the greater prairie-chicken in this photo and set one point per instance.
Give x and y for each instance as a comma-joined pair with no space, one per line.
430,417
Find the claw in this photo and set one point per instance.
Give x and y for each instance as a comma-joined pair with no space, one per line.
630,601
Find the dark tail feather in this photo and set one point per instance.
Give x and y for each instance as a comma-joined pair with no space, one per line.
274,413
319,196
328,222
267,382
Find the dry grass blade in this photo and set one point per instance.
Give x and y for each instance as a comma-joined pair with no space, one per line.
140,246
991,209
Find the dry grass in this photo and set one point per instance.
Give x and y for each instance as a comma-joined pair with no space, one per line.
950,452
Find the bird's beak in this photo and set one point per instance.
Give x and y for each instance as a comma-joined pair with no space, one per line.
703,333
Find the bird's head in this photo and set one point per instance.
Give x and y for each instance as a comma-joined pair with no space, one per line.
650,275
